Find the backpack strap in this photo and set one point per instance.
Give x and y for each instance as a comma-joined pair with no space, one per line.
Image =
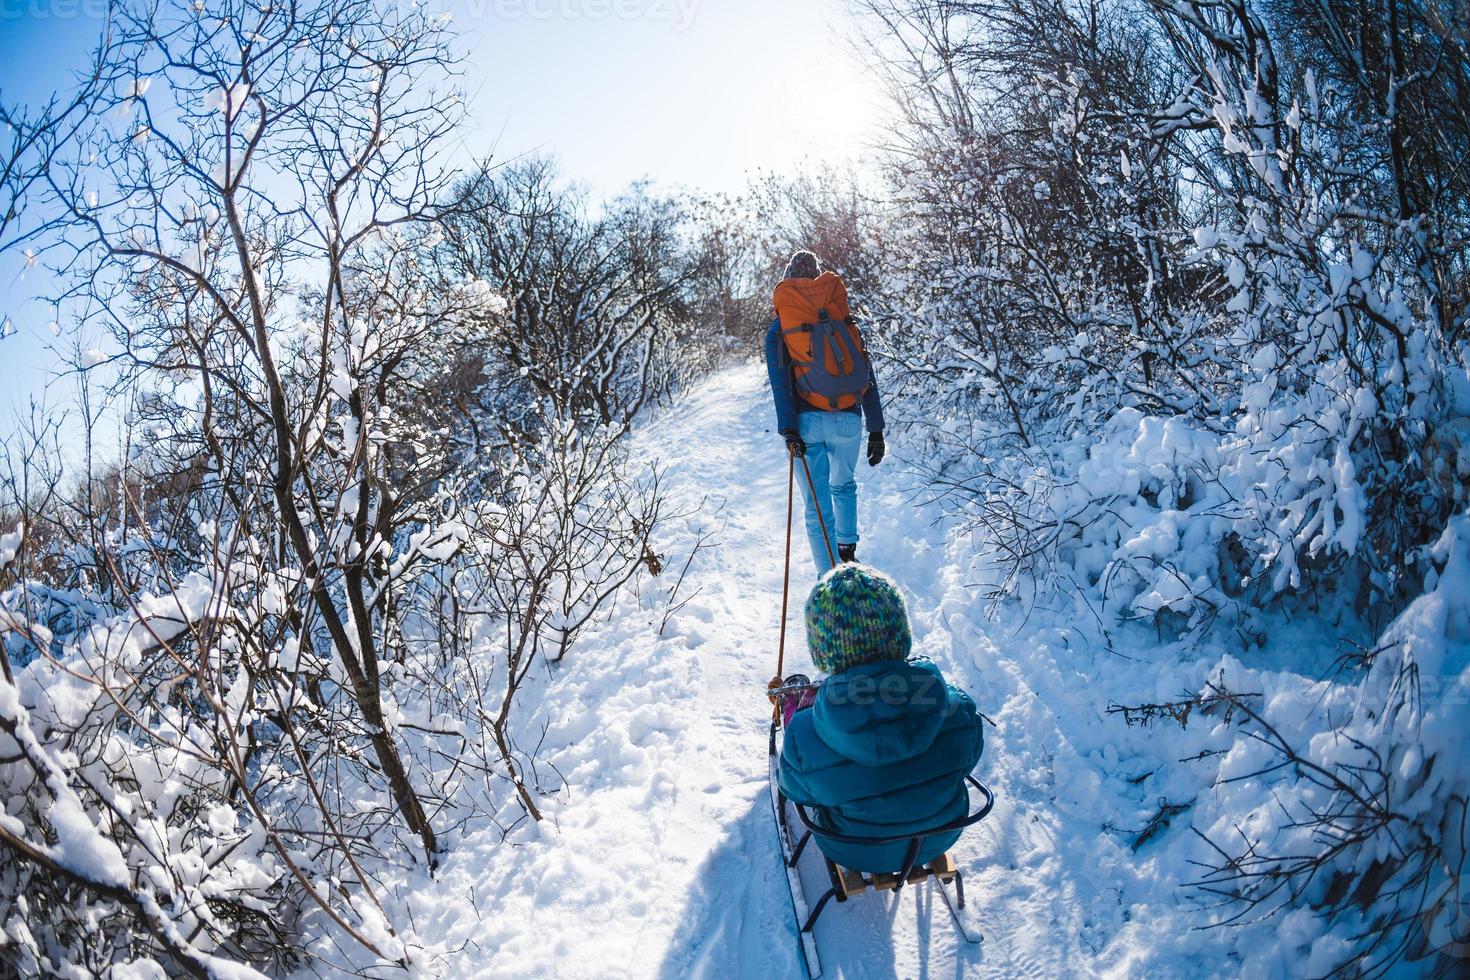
841,347
822,317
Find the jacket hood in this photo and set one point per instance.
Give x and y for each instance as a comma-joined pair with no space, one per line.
881,713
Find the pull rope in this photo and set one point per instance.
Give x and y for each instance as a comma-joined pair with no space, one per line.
831,555
779,679
785,591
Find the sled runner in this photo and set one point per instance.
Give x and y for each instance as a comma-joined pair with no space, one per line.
847,883
790,854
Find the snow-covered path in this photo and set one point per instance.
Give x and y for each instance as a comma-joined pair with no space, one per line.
659,860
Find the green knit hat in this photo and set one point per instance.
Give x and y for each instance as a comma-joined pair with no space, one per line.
856,615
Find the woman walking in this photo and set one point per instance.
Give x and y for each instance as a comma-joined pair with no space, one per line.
823,386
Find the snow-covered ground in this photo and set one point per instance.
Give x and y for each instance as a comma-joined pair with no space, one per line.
659,859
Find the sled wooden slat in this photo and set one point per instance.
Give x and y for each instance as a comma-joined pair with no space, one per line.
855,882
884,881
943,868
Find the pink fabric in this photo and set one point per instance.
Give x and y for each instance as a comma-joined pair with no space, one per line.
792,703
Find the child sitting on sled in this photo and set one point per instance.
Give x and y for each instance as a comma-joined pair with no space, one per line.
886,744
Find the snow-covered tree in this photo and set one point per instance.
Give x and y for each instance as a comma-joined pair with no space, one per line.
1179,290
261,655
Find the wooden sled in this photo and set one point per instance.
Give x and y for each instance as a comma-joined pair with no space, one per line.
847,883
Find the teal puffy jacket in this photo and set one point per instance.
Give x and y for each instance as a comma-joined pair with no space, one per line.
883,751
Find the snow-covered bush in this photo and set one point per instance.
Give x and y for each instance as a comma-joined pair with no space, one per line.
1176,292
1361,822
1222,252
277,647
596,320
123,828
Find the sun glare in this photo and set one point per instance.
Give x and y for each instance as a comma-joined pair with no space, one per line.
840,114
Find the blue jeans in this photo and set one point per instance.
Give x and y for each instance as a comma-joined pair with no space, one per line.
833,440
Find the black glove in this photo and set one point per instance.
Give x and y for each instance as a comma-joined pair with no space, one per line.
794,445
875,448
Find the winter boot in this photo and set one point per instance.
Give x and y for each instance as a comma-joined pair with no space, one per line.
847,553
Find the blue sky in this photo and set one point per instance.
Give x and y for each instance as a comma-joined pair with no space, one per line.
693,93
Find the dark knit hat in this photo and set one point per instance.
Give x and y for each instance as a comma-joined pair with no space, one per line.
803,265
856,615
